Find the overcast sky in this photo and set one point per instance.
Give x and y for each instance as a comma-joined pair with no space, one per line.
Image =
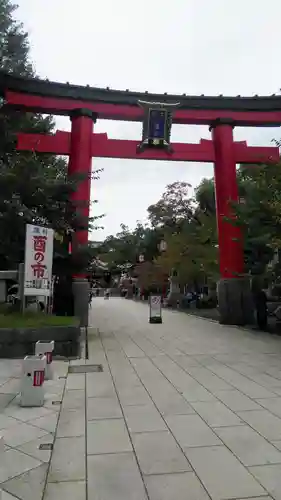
210,47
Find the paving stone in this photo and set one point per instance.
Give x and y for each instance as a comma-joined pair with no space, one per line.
197,393
242,383
271,404
186,361
265,380
28,486
68,460
258,498
132,350
107,436
264,422
27,414
103,408
216,414
189,387
208,346
21,433
133,395
6,421
249,446
115,477
12,386
144,418
74,399
191,430
5,399
99,385
75,381
66,490
277,390
223,476
175,486
55,386
237,401
7,496
173,404
71,423
47,423
277,444
14,463
32,448
208,379
270,477
158,453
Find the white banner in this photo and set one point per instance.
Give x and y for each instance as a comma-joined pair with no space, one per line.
39,242
155,306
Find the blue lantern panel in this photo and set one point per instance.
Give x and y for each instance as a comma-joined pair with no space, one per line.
157,123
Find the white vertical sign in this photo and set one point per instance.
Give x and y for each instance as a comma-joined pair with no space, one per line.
39,242
155,309
155,306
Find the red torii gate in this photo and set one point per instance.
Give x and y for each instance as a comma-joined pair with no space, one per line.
81,145
85,104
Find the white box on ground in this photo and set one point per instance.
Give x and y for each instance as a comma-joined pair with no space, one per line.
46,348
32,383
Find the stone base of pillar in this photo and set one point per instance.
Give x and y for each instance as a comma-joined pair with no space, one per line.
235,301
81,290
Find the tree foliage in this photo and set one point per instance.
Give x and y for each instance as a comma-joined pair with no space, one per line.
259,214
33,188
188,225
189,235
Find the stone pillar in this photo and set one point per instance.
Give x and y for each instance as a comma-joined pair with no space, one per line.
81,291
234,294
174,295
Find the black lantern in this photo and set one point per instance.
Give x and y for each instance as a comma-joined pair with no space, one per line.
157,125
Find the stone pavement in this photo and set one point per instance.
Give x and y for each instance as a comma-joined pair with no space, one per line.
23,465
184,410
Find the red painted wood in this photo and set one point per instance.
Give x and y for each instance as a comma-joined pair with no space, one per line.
255,154
102,147
80,162
58,144
106,111
226,189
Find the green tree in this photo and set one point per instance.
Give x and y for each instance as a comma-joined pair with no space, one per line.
259,214
190,233
33,188
173,209
126,246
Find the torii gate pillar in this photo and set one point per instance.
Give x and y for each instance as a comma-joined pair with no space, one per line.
234,294
80,162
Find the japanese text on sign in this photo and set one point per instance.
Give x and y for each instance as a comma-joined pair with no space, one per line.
155,306
38,260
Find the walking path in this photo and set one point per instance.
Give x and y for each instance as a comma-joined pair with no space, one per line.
184,410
